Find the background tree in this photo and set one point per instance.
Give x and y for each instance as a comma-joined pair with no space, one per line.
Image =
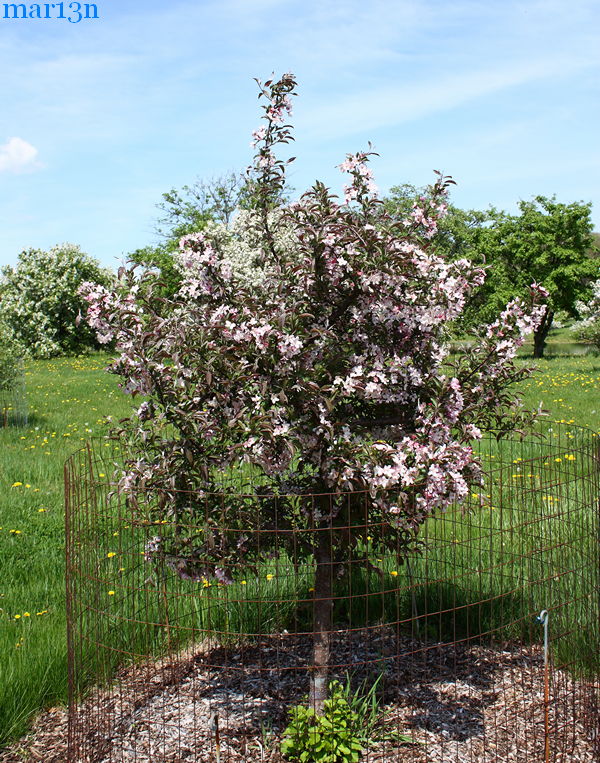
39,299
548,242
187,211
219,201
328,378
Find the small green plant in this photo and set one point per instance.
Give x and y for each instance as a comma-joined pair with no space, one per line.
349,723
333,737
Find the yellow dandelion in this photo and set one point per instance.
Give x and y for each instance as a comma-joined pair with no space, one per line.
111,554
111,593
17,484
270,576
394,573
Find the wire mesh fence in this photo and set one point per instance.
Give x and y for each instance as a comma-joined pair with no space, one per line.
169,663
13,401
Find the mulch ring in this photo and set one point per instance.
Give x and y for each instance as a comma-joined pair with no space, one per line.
462,703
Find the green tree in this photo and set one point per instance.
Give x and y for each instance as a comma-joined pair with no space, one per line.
548,242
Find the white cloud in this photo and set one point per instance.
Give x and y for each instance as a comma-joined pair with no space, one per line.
17,155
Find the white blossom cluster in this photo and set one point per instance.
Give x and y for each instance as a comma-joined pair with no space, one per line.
239,245
588,328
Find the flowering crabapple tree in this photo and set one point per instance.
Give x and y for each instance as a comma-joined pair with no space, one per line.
329,375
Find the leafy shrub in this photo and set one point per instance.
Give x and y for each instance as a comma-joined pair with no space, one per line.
39,300
348,724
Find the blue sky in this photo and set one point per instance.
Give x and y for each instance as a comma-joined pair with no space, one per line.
99,118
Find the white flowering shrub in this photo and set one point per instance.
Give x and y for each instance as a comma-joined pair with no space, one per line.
11,356
239,245
39,300
588,328
310,342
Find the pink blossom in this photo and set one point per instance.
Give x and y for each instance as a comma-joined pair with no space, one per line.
258,135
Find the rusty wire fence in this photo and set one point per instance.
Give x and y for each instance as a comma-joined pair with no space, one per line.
13,402
166,665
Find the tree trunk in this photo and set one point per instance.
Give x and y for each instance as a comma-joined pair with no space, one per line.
539,336
322,621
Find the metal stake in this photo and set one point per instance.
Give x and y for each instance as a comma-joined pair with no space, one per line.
543,620
214,722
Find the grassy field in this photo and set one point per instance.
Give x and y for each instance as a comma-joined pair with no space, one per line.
68,401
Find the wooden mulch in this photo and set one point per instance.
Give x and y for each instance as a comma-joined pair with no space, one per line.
463,703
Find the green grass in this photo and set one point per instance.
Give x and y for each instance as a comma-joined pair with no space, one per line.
68,399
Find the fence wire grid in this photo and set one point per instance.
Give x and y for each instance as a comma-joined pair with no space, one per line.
13,402
166,668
